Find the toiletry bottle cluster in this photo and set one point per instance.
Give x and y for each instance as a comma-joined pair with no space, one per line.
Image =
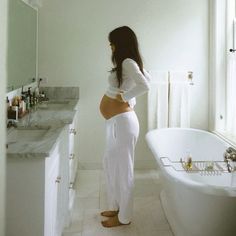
15,108
20,105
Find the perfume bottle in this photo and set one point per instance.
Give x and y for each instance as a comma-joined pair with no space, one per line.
188,161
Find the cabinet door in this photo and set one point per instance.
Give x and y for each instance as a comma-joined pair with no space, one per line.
63,198
76,137
52,183
72,134
25,196
73,158
73,148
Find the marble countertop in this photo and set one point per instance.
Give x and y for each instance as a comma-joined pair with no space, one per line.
55,114
45,114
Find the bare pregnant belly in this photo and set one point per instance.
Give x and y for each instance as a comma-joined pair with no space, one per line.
110,107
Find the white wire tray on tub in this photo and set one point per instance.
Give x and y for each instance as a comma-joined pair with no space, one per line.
201,167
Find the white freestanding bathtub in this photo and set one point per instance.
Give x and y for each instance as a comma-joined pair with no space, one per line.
195,203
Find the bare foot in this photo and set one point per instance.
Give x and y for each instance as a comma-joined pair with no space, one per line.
109,213
113,222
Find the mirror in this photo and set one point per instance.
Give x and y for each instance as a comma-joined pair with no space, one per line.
22,44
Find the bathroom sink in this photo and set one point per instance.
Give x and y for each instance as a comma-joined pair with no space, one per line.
53,105
27,134
58,102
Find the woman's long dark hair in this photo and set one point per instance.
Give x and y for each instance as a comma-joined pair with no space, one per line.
126,46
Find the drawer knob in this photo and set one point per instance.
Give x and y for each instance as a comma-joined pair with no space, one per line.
71,185
73,131
58,180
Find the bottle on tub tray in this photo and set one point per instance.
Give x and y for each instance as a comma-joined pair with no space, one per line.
188,161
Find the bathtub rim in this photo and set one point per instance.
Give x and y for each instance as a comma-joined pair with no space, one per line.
172,175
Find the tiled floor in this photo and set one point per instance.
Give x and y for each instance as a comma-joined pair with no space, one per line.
148,220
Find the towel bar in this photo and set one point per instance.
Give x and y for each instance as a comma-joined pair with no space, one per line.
190,77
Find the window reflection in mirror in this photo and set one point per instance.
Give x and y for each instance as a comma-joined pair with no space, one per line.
22,44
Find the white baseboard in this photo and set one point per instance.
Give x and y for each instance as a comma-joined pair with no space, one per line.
138,164
84,165
145,164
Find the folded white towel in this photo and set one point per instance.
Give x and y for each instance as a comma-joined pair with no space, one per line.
231,104
158,100
179,100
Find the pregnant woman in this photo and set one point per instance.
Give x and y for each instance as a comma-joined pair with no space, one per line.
127,80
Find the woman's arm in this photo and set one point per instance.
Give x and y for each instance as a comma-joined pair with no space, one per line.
131,70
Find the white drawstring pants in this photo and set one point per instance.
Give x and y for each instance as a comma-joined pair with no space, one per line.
122,132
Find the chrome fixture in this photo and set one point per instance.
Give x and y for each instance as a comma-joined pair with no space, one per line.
190,77
29,117
11,123
230,156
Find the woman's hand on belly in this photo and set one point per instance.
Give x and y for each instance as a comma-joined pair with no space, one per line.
110,107
119,98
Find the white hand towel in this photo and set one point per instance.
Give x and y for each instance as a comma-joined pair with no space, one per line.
231,85
158,100
179,100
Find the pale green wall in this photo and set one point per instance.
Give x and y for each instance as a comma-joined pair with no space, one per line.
3,42
74,51
22,43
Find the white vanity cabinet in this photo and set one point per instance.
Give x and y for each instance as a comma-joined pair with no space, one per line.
40,188
52,189
37,192
63,191
73,158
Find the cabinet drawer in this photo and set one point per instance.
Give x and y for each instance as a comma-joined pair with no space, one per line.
71,198
73,169
52,186
52,161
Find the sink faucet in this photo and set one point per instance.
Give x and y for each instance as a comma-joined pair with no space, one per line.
230,155
29,117
11,123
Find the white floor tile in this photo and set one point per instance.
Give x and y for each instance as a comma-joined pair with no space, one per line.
71,234
145,188
148,214
92,224
144,174
91,199
87,184
158,233
102,177
83,203
164,233
87,190
89,174
103,199
76,225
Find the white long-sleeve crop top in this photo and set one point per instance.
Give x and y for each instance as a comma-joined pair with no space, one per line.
134,83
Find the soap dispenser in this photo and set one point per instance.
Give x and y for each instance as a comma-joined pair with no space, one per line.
30,97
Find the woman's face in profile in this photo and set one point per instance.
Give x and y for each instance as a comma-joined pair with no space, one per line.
112,47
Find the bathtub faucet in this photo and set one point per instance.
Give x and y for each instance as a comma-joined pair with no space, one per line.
230,155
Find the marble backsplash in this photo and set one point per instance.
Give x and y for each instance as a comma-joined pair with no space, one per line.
61,92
